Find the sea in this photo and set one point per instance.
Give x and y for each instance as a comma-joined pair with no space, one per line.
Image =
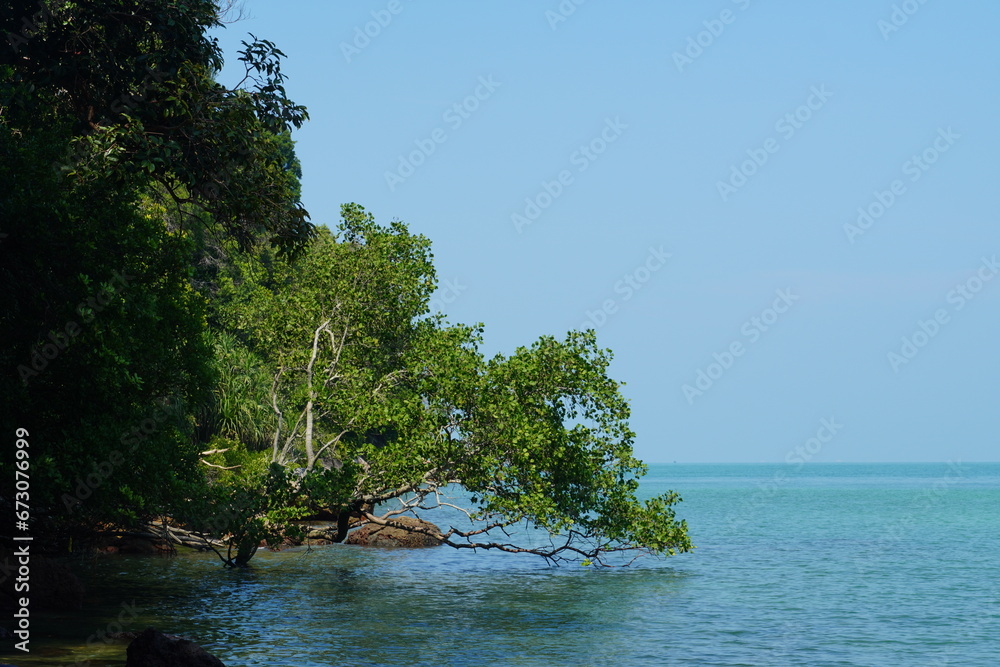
816,564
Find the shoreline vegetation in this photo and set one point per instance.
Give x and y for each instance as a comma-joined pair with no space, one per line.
181,340
190,362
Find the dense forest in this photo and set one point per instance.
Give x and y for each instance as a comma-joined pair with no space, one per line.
180,339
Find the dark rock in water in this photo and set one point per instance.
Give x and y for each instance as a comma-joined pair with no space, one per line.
374,535
154,649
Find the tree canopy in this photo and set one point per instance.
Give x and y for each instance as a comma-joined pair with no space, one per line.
378,403
125,164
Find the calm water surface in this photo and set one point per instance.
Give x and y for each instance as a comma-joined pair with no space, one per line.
823,564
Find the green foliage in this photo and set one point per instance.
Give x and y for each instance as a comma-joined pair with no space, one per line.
173,327
239,405
381,401
103,341
125,165
334,325
249,502
133,81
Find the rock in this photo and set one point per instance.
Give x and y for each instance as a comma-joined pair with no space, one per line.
154,649
374,535
320,534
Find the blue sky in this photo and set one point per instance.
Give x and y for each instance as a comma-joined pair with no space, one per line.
687,178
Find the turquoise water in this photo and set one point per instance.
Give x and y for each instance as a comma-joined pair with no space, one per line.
821,564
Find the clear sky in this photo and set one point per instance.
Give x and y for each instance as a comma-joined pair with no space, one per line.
775,213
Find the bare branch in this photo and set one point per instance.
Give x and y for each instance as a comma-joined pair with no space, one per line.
311,397
212,465
232,11
277,411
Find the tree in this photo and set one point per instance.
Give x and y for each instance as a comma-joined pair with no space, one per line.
160,280
124,162
376,401
134,80
101,343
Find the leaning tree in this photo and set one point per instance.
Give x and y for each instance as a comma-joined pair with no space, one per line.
381,409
